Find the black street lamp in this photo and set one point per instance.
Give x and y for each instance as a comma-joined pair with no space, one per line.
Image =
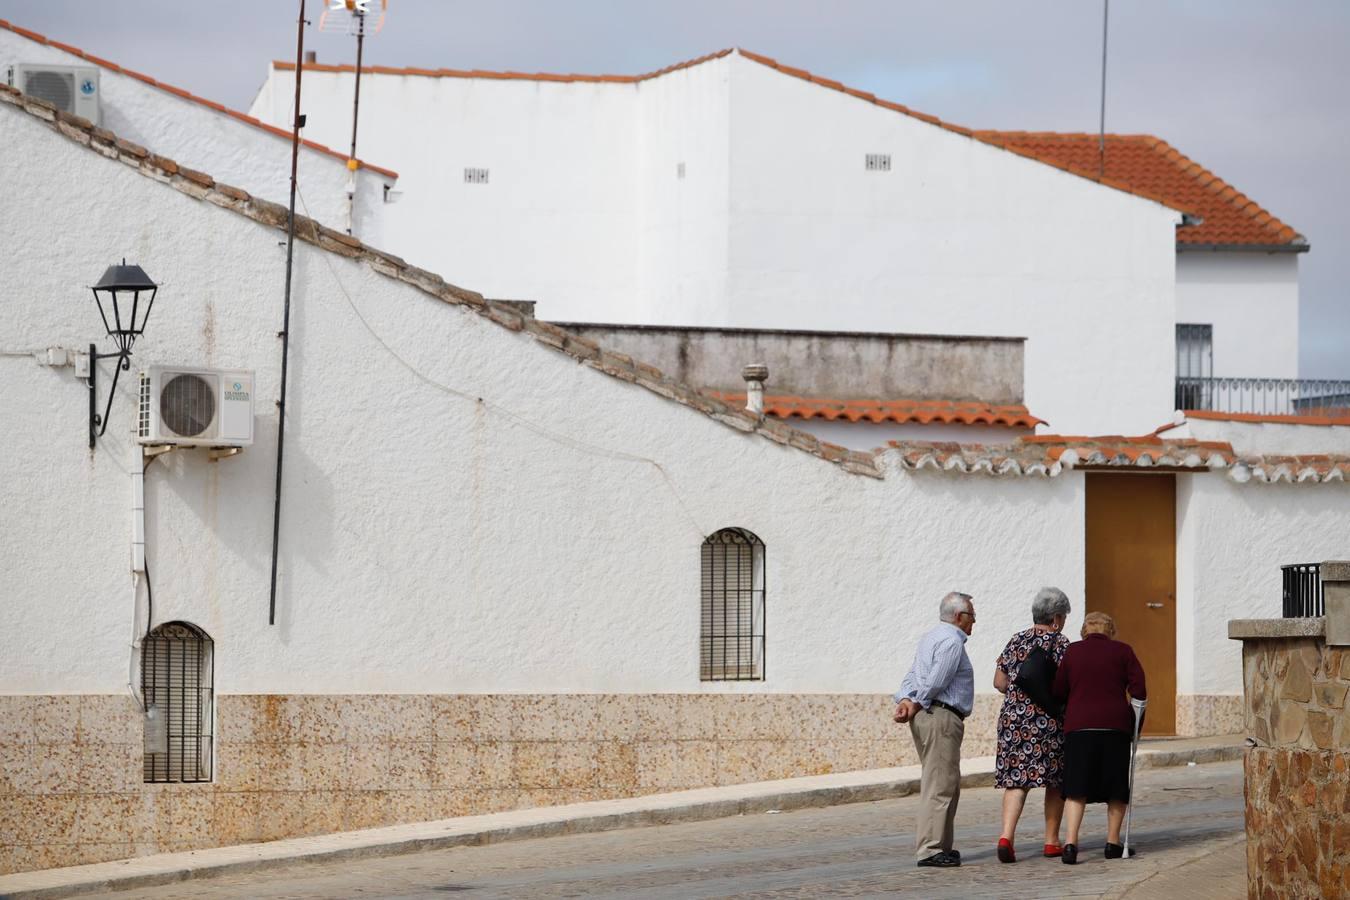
124,312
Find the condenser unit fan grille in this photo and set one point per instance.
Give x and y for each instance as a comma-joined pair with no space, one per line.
57,88
187,405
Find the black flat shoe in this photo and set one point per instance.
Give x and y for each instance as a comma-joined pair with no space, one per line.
1116,851
1070,857
941,860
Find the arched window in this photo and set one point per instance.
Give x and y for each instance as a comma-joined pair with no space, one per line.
732,630
177,676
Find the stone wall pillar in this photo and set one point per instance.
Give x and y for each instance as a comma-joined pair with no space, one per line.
1298,768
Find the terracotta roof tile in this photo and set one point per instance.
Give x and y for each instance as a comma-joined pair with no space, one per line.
1331,416
179,92
898,411
1152,167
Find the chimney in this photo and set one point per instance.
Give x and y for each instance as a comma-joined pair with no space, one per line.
755,375
311,57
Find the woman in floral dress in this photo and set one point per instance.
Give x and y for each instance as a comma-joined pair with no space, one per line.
1030,740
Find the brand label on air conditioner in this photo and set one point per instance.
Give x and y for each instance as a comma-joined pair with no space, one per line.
237,391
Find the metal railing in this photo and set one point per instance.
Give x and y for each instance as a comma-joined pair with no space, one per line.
1303,591
1264,396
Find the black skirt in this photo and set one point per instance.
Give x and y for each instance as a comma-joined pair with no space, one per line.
1097,766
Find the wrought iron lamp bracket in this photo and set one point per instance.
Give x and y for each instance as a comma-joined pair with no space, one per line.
99,423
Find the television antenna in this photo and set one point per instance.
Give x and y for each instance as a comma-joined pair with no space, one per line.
358,18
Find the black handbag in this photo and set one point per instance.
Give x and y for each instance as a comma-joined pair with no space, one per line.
1035,676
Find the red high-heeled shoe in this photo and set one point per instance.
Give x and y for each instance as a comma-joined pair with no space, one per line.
1005,851
1053,850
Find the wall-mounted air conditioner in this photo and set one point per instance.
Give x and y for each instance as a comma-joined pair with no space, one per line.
191,407
73,89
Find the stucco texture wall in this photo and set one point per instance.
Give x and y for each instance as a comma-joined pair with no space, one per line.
210,141
433,541
1231,541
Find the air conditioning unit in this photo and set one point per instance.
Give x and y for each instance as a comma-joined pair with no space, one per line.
73,89
196,407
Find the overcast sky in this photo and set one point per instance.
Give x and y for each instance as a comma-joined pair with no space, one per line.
1257,92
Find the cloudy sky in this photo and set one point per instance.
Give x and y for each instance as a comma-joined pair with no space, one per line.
1257,91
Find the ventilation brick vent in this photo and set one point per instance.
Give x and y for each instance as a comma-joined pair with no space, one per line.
475,176
878,162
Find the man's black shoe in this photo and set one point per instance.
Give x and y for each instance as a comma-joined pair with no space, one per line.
942,860
1070,857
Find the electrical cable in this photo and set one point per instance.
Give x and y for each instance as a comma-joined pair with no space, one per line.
521,421
149,608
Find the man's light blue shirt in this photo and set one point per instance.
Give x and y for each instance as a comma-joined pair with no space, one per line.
941,671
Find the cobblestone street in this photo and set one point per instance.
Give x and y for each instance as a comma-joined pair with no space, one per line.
1187,826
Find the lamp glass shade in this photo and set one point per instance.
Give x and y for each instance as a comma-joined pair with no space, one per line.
124,296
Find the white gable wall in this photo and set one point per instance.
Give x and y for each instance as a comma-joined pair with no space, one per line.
958,237
432,543
557,220
210,141
1251,299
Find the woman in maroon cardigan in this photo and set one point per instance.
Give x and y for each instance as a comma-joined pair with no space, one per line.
1099,726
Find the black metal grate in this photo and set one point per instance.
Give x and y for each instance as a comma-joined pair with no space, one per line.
732,629
177,675
1195,359
1265,396
1303,591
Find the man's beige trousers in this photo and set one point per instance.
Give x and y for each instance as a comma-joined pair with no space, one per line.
937,736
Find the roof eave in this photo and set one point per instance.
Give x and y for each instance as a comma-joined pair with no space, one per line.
1297,245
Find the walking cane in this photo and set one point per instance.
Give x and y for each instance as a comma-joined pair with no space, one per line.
1129,809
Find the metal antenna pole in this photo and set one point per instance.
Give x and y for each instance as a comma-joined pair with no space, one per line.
285,335
356,102
1101,128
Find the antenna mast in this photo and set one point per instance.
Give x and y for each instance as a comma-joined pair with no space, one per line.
1101,126
349,16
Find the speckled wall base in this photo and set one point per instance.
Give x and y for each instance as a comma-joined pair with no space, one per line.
71,786
1204,714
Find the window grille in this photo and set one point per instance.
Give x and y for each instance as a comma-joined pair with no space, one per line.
877,162
732,629
177,676
475,176
1195,359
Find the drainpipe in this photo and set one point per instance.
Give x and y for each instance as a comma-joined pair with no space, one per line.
755,375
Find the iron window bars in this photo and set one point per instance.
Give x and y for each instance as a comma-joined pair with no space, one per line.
1303,591
732,628
177,679
1195,359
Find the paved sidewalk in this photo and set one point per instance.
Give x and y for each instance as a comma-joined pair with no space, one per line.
682,806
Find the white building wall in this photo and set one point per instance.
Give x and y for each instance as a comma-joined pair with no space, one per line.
1231,541
958,237
231,151
557,220
1269,437
776,224
1251,299
432,542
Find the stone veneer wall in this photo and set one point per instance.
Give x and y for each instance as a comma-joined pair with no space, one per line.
71,789
1298,775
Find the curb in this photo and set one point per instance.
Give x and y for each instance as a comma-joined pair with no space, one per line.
583,818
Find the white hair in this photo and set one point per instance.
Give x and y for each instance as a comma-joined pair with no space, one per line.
1049,603
952,604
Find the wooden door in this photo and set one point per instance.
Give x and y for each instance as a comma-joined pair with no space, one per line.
1131,576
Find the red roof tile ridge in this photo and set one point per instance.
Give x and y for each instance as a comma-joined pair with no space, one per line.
202,187
896,410
1334,416
186,95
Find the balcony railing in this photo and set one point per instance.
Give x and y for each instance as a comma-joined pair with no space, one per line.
1303,591
1265,396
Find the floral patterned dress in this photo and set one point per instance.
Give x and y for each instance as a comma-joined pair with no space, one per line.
1030,740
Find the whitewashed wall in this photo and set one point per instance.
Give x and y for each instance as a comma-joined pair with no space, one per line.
431,543
958,237
229,150
1251,299
776,224
1269,437
558,219
1231,541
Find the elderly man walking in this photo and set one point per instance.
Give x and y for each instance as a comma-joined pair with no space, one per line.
935,698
